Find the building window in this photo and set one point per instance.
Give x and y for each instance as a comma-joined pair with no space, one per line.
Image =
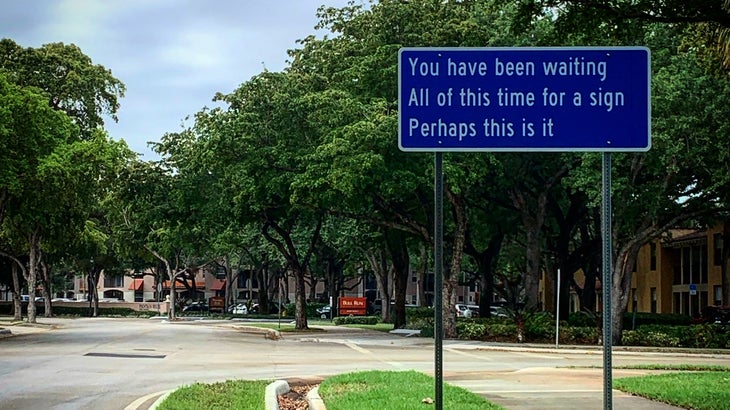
247,280
653,300
113,281
653,256
686,265
703,264
717,295
717,248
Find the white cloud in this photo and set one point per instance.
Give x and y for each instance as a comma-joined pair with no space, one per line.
173,55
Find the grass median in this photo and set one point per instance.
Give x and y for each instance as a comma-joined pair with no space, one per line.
371,390
377,390
700,390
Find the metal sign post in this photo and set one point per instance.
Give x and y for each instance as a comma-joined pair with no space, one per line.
607,283
438,326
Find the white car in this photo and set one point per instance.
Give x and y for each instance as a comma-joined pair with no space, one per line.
240,309
462,310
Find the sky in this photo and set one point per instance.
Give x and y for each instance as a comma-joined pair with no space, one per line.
172,55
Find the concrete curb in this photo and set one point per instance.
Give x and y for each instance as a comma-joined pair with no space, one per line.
160,400
315,402
273,391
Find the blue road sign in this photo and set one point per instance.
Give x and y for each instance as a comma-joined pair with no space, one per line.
524,99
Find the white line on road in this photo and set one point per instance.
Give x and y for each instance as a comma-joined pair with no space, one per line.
482,357
135,404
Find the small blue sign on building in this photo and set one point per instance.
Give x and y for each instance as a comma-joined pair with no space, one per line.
524,99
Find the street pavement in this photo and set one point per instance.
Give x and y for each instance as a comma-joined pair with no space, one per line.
518,377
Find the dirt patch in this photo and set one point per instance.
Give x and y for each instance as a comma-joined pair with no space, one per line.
296,398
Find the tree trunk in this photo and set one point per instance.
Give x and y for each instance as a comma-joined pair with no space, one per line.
17,306
300,300
398,250
532,221
724,268
285,244
485,261
621,287
451,278
46,289
94,276
422,276
380,269
172,276
33,256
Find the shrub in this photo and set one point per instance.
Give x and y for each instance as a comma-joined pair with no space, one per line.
695,336
415,313
425,325
649,338
579,334
583,319
356,320
645,318
501,331
471,330
539,325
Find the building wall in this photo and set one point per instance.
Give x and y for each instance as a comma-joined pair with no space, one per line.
686,276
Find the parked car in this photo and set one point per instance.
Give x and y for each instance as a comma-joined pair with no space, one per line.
498,311
272,308
474,310
463,310
375,308
239,309
196,307
325,312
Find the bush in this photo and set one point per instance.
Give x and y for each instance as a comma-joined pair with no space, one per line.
425,325
648,338
645,318
579,335
539,326
356,320
696,336
416,313
471,330
501,331
584,319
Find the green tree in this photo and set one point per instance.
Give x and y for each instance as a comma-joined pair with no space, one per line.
71,81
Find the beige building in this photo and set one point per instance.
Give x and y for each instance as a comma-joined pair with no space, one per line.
681,273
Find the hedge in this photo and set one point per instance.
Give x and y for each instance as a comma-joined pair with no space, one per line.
356,320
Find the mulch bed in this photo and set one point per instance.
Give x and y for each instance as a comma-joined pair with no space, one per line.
296,398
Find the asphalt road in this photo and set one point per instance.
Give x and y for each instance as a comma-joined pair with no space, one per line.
122,363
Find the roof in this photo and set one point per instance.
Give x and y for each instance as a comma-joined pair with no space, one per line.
181,284
137,284
693,238
218,285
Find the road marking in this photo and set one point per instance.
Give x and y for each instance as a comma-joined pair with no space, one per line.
135,404
357,348
486,359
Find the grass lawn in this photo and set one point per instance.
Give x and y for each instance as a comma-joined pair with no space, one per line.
378,390
709,390
232,394
373,390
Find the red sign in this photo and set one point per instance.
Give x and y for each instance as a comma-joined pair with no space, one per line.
353,306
